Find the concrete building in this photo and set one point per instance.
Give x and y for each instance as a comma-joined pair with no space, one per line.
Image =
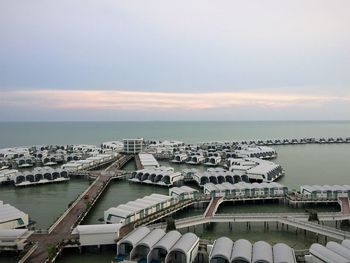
133,146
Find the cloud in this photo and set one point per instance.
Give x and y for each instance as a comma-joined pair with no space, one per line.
154,101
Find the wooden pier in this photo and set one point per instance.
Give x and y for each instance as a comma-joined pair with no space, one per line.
62,228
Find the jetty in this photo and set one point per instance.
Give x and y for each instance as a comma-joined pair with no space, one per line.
62,228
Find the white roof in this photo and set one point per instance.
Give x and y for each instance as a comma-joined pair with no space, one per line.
12,233
168,241
152,238
135,236
96,229
222,248
9,213
185,243
339,249
326,254
242,249
262,252
283,254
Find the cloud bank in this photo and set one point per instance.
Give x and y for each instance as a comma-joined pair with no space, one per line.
137,101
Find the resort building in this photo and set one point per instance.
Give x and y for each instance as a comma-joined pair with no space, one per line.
326,192
217,176
89,163
163,176
138,209
101,234
256,169
11,217
224,250
245,190
262,152
14,239
116,146
133,146
145,245
40,175
183,192
6,175
164,146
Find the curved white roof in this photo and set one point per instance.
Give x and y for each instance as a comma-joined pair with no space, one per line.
242,250
262,252
135,236
185,243
346,243
283,254
168,240
222,248
339,249
326,254
152,238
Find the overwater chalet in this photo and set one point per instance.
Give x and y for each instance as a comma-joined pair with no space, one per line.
195,159
11,217
183,192
161,249
326,192
89,162
218,176
117,146
262,152
6,175
245,190
184,250
140,252
224,250
180,158
256,169
40,175
125,246
101,234
212,160
163,176
138,209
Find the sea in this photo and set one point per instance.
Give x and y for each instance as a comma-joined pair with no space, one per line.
303,164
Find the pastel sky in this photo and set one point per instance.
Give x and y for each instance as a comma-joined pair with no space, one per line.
115,60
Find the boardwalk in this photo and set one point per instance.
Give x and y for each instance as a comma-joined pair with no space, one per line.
297,220
62,229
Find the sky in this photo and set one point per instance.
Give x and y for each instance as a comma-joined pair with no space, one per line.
112,60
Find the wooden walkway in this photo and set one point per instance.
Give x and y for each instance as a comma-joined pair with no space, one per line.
62,228
344,205
213,206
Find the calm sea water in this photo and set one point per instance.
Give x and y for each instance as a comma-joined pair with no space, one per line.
33,133
304,164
